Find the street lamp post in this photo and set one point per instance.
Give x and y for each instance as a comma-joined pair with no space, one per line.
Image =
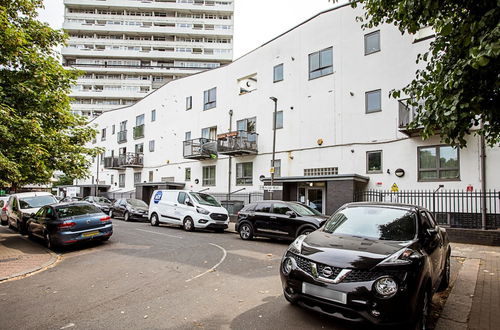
275,100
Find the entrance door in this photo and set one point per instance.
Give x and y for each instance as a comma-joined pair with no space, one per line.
313,197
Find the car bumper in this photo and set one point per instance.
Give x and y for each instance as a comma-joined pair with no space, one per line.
71,237
205,222
358,304
139,216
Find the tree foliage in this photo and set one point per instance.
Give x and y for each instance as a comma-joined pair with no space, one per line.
459,85
38,133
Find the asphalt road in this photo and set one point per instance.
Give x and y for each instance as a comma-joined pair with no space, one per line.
159,278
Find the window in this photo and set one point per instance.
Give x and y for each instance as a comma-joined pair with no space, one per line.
153,115
209,133
374,161
321,171
137,177
103,134
373,101
280,208
139,120
152,146
112,179
247,125
113,130
210,98
121,180
372,42
181,198
244,173
279,119
187,174
263,207
208,178
278,73
151,176
321,63
438,163
139,148
277,167
187,136
189,102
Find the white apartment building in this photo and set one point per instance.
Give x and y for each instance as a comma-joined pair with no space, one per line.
337,132
129,48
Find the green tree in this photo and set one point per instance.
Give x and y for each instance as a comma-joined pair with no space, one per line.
460,81
38,133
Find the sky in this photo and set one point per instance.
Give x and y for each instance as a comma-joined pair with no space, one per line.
256,21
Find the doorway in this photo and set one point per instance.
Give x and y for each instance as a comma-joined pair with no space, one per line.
313,196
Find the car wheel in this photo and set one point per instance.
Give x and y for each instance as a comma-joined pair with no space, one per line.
4,223
126,216
21,228
246,231
11,226
188,224
445,279
423,311
306,231
154,220
30,233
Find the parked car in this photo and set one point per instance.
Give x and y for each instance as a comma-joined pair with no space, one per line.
3,209
188,209
277,219
71,199
129,208
101,202
69,223
372,262
22,205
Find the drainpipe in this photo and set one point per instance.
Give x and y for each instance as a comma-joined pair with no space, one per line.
230,159
97,176
275,100
483,179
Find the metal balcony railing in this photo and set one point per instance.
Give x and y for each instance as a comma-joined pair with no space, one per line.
138,132
407,113
121,136
237,143
111,162
131,159
200,148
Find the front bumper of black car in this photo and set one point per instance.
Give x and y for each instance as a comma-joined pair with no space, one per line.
351,300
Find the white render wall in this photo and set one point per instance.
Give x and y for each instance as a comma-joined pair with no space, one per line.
331,108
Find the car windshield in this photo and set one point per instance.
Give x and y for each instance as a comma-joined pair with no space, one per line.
76,210
303,210
102,200
137,203
205,199
381,223
36,201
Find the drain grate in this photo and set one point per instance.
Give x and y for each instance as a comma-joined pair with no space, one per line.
8,259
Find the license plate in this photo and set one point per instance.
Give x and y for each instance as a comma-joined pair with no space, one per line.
322,292
144,215
90,234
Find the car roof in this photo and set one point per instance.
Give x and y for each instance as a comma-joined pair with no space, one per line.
409,207
74,203
32,194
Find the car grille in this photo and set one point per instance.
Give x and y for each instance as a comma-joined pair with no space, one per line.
218,216
355,275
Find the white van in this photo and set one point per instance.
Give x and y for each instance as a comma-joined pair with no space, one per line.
187,209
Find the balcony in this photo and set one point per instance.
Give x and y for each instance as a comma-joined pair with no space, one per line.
131,159
138,132
237,143
111,163
407,113
200,149
121,136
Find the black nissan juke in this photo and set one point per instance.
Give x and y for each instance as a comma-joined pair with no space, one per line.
372,262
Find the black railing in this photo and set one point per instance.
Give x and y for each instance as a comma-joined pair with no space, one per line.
237,143
121,136
200,149
455,208
138,132
235,202
131,159
407,112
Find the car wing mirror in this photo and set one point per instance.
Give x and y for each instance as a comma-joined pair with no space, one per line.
189,203
33,215
431,232
290,214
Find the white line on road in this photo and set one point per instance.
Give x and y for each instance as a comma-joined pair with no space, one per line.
154,232
214,267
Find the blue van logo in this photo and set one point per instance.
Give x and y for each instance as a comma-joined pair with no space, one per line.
158,196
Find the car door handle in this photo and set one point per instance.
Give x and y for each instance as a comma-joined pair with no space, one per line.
175,204
272,217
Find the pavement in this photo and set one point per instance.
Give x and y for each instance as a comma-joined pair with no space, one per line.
472,303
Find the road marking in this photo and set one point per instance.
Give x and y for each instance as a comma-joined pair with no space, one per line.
154,232
214,267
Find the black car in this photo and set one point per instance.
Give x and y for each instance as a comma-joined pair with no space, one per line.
101,202
277,219
129,208
372,262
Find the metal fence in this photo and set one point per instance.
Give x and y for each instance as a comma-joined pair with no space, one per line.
118,195
236,201
455,208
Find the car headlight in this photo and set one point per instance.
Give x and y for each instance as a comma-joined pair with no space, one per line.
402,257
296,246
386,287
202,210
287,265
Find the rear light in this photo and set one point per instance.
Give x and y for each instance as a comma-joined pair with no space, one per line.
66,225
106,219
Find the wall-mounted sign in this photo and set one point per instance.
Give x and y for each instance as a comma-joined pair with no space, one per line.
394,187
399,172
271,188
470,188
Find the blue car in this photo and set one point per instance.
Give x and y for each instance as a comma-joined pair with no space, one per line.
69,223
